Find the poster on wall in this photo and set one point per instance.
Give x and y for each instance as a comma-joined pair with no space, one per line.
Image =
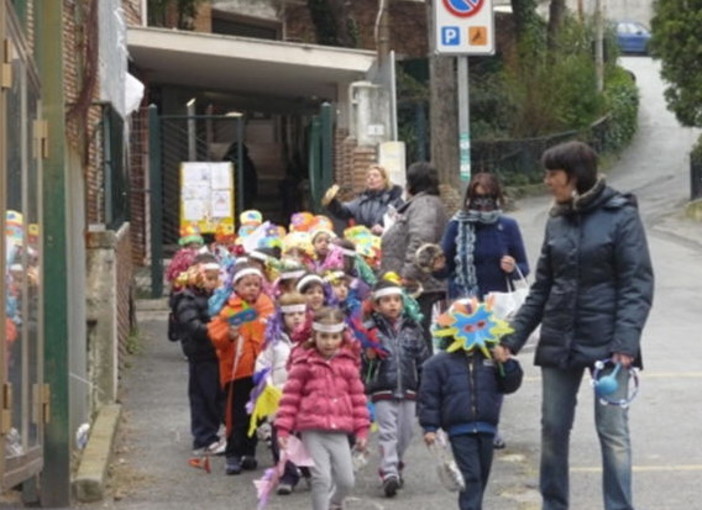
207,196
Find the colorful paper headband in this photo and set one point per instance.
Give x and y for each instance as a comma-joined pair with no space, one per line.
293,308
334,276
251,217
472,325
329,328
387,291
306,280
211,266
290,275
249,271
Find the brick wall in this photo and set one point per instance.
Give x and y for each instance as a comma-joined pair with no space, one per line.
138,183
132,11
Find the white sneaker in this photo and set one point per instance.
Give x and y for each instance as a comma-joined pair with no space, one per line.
216,448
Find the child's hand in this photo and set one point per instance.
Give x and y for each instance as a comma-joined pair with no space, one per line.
283,442
361,444
370,353
430,438
233,333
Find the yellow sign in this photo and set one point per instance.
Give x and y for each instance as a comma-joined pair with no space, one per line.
207,195
477,36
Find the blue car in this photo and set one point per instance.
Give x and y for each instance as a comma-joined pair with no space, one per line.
632,37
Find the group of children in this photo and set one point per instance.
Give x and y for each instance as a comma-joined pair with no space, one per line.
306,315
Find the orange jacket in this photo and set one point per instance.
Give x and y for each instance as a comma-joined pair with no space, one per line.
249,343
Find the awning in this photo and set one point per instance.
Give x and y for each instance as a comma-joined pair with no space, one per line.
238,65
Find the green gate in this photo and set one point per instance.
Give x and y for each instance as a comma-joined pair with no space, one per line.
174,139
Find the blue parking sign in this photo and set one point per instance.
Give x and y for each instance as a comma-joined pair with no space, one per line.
451,36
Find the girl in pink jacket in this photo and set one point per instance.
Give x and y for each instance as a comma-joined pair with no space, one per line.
324,400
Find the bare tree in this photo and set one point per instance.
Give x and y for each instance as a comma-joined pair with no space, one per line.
556,14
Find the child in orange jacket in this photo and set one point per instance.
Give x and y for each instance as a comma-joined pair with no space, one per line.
237,333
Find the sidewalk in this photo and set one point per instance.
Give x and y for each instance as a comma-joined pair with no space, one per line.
150,465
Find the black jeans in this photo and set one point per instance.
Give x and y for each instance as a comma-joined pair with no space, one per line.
239,444
206,401
473,455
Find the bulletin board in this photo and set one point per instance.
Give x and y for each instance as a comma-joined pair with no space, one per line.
207,195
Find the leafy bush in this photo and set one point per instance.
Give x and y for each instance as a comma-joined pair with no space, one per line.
622,105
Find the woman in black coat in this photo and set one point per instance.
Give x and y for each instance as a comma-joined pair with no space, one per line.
370,206
592,294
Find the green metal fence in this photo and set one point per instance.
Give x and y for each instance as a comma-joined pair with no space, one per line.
321,162
174,139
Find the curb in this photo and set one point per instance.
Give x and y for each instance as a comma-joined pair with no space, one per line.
90,480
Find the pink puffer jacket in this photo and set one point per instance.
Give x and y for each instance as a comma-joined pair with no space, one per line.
324,395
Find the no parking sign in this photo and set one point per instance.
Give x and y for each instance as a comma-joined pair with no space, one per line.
464,27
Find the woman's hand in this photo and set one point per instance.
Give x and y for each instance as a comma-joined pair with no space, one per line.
377,229
330,195
624,359
508,264
430,438
501,353
438,263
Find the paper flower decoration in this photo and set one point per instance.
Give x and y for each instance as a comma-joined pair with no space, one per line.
301,222
472,325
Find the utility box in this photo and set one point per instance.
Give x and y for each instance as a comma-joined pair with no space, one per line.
370,113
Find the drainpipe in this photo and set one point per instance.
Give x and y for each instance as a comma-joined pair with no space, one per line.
382,31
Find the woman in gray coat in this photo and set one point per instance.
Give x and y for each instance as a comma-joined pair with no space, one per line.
592,294
422,219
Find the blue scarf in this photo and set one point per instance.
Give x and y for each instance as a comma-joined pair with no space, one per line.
465,276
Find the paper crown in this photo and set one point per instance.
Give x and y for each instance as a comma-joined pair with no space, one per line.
190,234
470,325
301,222
251,217
224,232
298,241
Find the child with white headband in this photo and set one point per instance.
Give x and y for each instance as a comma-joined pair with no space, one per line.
333,407
237,333
290,316
391,373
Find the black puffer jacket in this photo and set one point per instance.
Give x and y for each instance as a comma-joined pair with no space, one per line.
367,208
462,393
398,374
594,283
192,316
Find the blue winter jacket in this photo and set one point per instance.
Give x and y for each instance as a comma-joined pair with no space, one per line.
397,375
594,284
459,393
493,241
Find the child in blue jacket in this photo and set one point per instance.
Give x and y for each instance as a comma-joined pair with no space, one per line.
460,392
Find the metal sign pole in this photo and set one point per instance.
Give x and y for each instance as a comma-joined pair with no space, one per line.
463,122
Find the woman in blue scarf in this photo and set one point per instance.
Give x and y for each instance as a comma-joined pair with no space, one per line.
482,247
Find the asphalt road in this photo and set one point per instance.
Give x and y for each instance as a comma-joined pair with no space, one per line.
151,470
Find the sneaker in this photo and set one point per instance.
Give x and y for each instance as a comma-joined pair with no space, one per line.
390,486
284,489
215,448
232,466
249,463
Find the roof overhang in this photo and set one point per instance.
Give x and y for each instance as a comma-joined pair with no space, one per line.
214,62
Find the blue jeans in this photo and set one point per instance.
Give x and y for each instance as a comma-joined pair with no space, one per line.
473,454
559,398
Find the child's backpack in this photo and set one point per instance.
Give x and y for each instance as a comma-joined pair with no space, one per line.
174,329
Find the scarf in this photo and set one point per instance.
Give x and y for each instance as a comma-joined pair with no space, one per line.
579,202
466,278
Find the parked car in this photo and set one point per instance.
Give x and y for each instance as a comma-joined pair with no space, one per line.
632,37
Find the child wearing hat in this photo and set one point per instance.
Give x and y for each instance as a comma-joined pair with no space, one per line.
461,390
237,333
391,373
204,391
274,360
